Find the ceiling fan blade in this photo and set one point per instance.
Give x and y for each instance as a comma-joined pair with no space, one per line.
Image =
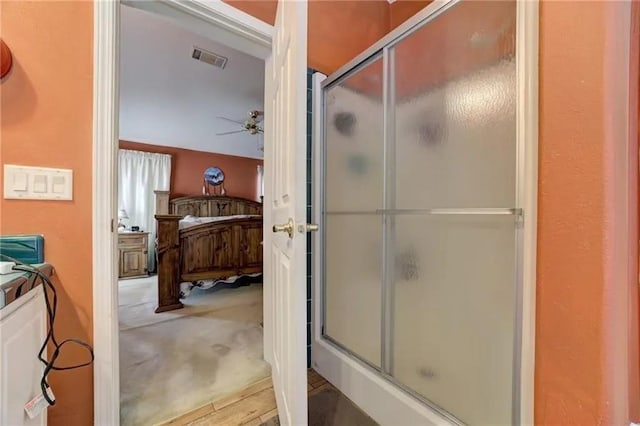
233,121
230,133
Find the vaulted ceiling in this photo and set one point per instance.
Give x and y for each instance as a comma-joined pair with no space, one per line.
168,98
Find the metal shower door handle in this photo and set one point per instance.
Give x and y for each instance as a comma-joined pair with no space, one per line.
308,227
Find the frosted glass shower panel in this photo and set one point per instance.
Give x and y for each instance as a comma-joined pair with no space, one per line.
354,141
455,129
421,215
454,312
353,283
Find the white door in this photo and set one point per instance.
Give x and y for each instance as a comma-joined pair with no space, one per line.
285,313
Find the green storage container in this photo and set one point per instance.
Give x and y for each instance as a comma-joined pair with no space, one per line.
25,248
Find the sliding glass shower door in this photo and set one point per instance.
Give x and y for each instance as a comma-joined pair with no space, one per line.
354,182
420,214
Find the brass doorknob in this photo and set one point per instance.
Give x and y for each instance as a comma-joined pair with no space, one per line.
308,227
287,227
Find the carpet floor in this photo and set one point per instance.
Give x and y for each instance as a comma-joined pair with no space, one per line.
175,361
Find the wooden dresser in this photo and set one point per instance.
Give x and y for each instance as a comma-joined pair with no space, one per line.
132,254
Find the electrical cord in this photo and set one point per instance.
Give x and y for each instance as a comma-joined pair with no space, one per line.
51,306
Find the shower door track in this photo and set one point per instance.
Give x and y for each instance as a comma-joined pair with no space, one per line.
447,211
389,378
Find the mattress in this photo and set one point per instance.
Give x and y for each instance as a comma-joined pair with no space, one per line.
189,221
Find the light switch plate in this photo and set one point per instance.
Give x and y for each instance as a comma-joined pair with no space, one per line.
37,183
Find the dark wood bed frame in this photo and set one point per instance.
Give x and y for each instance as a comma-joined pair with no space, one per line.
215,250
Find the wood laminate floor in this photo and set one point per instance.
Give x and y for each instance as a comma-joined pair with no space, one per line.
252,406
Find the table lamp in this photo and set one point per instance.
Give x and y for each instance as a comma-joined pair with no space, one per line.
122,216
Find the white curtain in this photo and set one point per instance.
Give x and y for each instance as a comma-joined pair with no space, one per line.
141,173
260,182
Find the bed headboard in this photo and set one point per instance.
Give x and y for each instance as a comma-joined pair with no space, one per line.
205,205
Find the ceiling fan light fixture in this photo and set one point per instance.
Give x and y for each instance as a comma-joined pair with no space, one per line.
251,125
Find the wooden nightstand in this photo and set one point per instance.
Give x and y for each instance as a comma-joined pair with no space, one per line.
132,254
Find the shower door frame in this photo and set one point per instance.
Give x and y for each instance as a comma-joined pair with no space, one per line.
375,392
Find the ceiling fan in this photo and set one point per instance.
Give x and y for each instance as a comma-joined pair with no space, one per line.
251,124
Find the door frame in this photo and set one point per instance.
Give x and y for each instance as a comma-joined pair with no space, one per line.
352,376
213,19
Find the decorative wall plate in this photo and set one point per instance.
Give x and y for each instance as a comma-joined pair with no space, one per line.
214,176
6,60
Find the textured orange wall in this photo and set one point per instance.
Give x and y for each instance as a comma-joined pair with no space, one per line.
634,163
46,103
265,10
577,378
338,30
187,167
401,10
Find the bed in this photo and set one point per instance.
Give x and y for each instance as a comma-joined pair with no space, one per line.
205,237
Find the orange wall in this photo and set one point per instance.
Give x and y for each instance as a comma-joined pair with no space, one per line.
187,167
401,10
265,10
338,30
46,103
579,301
634,293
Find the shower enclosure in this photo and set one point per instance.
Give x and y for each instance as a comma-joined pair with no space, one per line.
422,210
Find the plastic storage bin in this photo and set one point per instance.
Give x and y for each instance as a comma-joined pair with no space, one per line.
25,248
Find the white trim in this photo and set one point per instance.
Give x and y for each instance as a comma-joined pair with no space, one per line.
527,134
242,32
215,20
106,395
381,397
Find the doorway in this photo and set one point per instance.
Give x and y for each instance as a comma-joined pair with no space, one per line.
226,25
190,144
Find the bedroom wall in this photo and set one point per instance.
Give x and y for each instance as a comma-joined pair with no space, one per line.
187,167
46,104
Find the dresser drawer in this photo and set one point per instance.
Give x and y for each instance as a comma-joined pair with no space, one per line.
132,240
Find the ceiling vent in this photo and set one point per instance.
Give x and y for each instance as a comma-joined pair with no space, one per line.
210,58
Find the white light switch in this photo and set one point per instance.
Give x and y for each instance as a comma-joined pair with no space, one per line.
20,180
40,184
58,185
37,183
